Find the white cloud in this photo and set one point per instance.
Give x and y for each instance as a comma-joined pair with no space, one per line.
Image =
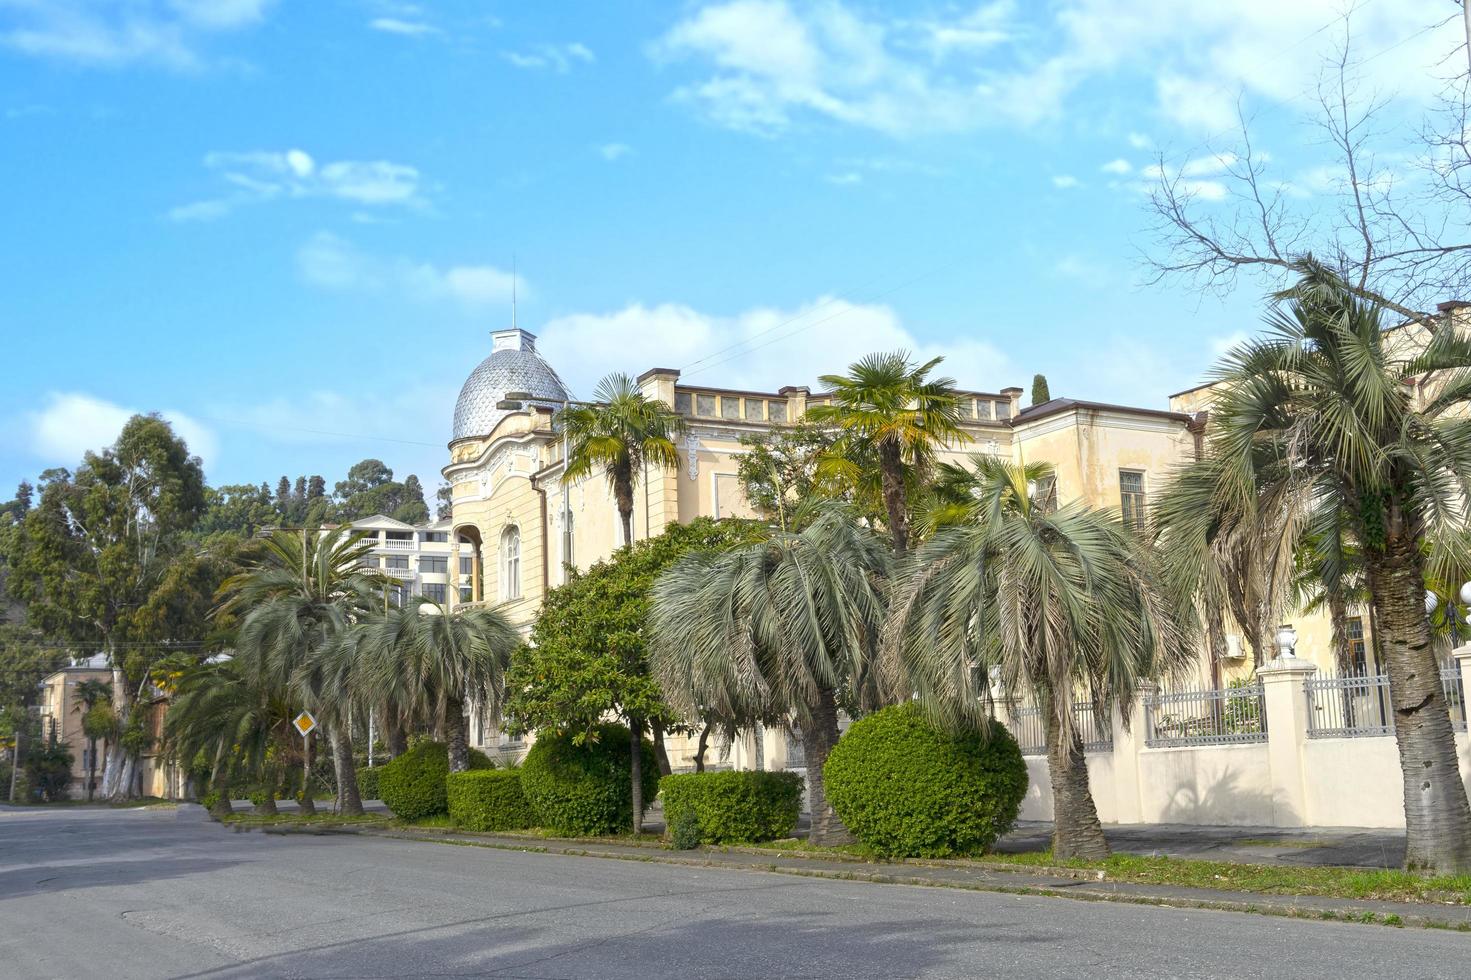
71,423
1222,345
560,58
1065,181
845,179
614,151
334,263
775,347
406,28
264,175
1083,270
1119,166
107,33
766,65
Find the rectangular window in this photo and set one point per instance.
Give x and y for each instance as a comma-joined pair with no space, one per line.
730,408
438,537
433,563
434,590
1358,650
399,563
682,402
467,567
776,411
1003,410
753,409
1131,497
466,595
1046,494
705,405
371,561
396,594
983,409
965,407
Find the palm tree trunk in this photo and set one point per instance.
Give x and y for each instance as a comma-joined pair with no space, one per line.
91,767
1338,619
454,732
623,496
891,468
661,752
349,800
267,805
394,737
1437,816
700,748
818,738
636,772
1076,831
221,807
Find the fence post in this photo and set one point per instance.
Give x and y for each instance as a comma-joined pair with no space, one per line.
1286,704
1126,745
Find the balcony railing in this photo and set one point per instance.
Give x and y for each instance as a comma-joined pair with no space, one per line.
403,573
397,544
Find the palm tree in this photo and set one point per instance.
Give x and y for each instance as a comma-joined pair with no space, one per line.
889,404
94,701
619,433
302,594
1328,410
789,624
1044,603
434,663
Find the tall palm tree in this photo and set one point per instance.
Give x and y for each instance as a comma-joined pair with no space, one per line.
888,403
789,624
1329,410
304,592
1044,603
618,434
435,663
94,702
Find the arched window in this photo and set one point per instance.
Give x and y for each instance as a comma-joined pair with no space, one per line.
511,563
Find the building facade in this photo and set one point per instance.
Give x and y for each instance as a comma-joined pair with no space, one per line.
418,558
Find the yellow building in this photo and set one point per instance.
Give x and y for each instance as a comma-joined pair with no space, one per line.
516,528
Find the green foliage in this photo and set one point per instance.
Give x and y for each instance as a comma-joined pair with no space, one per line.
48,770
413,784
1040,392
733,807
583,788
684,831
488,799
368,788
909,789
588,654
781,469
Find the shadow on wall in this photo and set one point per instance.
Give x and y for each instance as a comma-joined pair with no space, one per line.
1226,802
631,943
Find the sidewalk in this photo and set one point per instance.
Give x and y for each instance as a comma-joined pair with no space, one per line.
1355,847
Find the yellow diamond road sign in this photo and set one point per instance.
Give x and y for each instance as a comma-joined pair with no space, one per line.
305,723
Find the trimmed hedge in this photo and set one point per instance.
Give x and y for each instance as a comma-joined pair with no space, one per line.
412,785
368,788
488,799
906,788
584,790
734,807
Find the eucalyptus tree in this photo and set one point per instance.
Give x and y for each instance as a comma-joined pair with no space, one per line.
434,663
788,624
619,433
1330,409
299,597
891,406
1043,602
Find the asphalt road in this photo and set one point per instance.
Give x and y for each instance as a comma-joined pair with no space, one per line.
107,893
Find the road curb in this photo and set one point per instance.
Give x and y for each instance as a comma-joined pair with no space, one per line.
1075,884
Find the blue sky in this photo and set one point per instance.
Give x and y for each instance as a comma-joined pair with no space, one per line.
290,225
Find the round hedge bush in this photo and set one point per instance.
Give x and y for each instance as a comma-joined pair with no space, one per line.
488,799
906,788
585,790
733,807
368,788
412,785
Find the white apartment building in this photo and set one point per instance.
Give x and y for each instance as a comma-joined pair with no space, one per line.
418,557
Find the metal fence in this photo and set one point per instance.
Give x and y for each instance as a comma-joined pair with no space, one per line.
1207,716
1351,705
1030,730
1348,706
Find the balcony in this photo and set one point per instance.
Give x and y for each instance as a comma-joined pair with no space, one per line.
400,573
397,544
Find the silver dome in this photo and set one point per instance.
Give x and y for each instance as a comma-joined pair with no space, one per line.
513,365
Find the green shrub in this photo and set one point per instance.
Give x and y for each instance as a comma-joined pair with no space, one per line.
684,832
368,788
908,789
584,790
413,784
488,799
733,807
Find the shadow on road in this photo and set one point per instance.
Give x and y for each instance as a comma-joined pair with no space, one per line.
22,882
